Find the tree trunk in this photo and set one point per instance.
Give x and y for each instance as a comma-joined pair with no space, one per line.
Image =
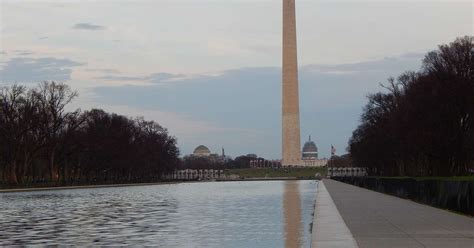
53,168
13,178
66,172
23,169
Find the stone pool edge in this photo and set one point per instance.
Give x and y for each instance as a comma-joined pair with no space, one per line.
83,187
328,228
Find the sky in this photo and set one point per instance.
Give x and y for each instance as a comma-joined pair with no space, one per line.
210,71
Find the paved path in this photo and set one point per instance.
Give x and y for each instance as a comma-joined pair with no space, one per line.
379,220
329,229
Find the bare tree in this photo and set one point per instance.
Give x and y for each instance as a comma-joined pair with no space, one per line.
52,99
422,124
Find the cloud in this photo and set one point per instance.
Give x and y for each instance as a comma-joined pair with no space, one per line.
103,70
413,55
408,61
23,52
181,125
88,26
28,70
122,78
155,78
331,97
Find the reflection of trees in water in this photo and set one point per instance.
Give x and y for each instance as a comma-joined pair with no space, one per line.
292,214
237,214
139,217
99,218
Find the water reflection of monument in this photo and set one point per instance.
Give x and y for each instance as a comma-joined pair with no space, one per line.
292,214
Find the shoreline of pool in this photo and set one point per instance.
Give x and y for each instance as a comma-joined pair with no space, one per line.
328,228
16,190
83,187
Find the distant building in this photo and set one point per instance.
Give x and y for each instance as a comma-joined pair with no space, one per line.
309,155
251,155
310,150
309,158
202,151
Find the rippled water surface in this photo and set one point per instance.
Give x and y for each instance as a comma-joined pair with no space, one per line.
211,214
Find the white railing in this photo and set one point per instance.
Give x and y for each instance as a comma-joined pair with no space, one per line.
189,174
347,172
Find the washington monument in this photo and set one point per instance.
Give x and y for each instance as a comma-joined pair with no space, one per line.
291,108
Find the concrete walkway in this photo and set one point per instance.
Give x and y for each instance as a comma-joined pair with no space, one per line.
379,220
329,229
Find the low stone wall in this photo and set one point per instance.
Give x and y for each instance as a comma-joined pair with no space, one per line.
452,195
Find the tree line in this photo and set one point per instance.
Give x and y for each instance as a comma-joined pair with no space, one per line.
216,163
41,142
340,161
422,124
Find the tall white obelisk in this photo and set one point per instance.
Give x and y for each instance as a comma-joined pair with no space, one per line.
291,146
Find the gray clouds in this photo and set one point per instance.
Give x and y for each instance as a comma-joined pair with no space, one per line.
103,70
154,78
332,97
23,52
28,70
88,26
404,62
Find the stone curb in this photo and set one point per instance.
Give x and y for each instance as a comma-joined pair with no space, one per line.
329,229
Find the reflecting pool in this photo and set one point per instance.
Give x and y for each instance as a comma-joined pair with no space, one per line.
207,214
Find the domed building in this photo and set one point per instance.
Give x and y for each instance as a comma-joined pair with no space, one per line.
310,150
309,155
202,151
